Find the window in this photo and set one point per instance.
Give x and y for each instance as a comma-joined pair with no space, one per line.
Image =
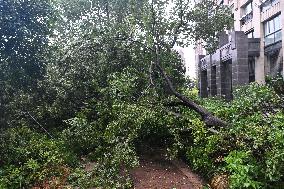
272,31
247,9
277,23
251,67
276,63
247,13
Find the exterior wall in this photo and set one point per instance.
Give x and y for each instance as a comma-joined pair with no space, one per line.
235,4
217,62
240,60
227,68
256,24
260,60
200,80
199,53
203,84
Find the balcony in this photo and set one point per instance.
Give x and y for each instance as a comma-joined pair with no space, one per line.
247,26
273,38
269,9
244,2
205,62
226,52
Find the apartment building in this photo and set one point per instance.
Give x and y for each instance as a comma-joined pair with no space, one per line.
248,53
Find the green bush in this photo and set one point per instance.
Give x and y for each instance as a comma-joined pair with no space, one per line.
243,169
81,136
113,138
29,158
251,149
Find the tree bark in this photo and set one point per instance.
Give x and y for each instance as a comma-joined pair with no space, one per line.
207,117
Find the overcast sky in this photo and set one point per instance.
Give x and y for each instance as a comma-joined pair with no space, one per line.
189,57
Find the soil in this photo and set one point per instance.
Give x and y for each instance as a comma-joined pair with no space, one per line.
155,172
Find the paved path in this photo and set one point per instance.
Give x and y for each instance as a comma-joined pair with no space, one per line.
155,172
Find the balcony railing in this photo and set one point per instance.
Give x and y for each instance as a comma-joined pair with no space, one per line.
247,26
226,52
266,4
205,62
246,18
270,8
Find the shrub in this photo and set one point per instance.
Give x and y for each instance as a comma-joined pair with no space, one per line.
29,158
81,136
251,149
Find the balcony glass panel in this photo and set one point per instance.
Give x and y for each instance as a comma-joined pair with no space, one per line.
272,31
277,23
266,28
271,26
273,38
269,40
278,36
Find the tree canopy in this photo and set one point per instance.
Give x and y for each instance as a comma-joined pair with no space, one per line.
24,30
114,36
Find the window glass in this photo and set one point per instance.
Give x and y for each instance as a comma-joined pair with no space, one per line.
248,8
275,2
272,31
271,26
265,7
266,28
278,36
277,23
269,40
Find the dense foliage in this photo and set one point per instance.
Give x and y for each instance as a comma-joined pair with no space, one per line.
78,84
24,28
251,150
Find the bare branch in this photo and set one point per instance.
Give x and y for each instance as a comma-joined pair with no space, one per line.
38,124
150,74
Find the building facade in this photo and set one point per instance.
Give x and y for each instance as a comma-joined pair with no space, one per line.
248,53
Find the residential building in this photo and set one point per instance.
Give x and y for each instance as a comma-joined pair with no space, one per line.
252,50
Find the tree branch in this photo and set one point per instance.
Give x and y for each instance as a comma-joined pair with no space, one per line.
28,113
150,74
207,117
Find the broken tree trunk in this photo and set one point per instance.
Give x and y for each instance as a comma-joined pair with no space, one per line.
208,118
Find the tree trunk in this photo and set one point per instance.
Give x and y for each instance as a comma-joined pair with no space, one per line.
207,117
